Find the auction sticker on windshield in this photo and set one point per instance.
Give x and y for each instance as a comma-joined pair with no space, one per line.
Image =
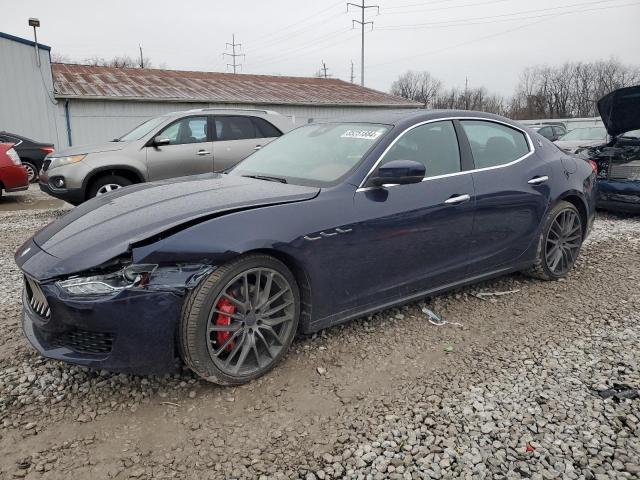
365,134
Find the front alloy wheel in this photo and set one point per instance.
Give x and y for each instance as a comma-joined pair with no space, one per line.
239,323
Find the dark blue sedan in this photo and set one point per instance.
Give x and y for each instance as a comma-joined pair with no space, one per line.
330,222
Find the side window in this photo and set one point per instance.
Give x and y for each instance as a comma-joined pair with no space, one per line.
494,144
186,130
234,128
433,144
558,131
265,129
546,132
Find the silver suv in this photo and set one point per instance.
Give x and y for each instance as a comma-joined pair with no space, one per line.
172,145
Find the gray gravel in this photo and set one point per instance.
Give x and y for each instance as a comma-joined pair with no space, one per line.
514,391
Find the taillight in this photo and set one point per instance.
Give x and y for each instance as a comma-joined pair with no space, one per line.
47,150
594,165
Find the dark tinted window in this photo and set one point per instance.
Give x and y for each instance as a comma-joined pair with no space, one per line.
559,131
494,144
433,144
187,130
265,129
235,128
546,132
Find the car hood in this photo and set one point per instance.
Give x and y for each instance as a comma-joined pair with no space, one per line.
620,110
575,144
106,226
91,148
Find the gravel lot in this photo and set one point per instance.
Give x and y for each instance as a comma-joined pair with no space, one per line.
515,389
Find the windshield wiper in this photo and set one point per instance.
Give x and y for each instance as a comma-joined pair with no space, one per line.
267,178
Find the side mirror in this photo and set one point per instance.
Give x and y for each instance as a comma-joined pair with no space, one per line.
398,172
161,141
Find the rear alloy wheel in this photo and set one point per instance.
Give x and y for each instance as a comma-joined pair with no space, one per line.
107,184
560,243
32,171
238,324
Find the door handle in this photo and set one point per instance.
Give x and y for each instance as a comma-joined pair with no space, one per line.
538,180
203,152
258,147
457,199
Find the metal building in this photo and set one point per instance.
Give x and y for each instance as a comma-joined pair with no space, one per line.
69,104
27,102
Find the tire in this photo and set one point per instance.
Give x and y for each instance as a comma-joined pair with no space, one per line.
107,183
32,171
249,331
547,265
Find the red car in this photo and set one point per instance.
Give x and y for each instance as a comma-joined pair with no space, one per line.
13,176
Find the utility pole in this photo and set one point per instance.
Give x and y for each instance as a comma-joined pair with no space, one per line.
362,24
324,70
233,55
141,57
466,93
352,75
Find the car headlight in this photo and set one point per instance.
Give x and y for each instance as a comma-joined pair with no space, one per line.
61,161
128,277
148,276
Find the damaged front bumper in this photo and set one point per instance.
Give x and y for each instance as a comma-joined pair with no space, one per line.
133,332
132,329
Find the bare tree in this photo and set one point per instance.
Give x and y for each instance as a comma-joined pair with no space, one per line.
570,90
120,61
418,86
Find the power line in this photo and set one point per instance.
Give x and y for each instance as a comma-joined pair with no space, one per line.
362,24
297,23
451,7
463,21
309,46
233,55
496,34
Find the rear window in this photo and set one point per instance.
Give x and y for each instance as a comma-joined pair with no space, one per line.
494,144
265,129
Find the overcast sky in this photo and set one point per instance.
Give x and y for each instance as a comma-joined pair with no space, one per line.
488,41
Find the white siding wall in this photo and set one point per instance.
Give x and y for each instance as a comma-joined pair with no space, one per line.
97,121
27,106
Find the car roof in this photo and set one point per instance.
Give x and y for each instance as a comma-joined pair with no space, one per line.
223,110
402,117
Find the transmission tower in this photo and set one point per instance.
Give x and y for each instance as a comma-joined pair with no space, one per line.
233,53
363,7
323,70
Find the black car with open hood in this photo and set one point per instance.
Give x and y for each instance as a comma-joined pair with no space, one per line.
618,160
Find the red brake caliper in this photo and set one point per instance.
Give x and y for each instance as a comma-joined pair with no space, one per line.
225,306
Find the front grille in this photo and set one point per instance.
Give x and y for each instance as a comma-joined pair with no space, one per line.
83,341
628,171
45,165
36,298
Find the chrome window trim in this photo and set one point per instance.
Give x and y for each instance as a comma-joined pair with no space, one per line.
532,150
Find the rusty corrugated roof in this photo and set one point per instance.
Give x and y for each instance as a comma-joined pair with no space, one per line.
90,82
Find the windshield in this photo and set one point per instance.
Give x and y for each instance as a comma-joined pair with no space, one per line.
316,155
587,133
142,129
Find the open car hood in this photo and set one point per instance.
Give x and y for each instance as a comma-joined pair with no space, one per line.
106,226
620,110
